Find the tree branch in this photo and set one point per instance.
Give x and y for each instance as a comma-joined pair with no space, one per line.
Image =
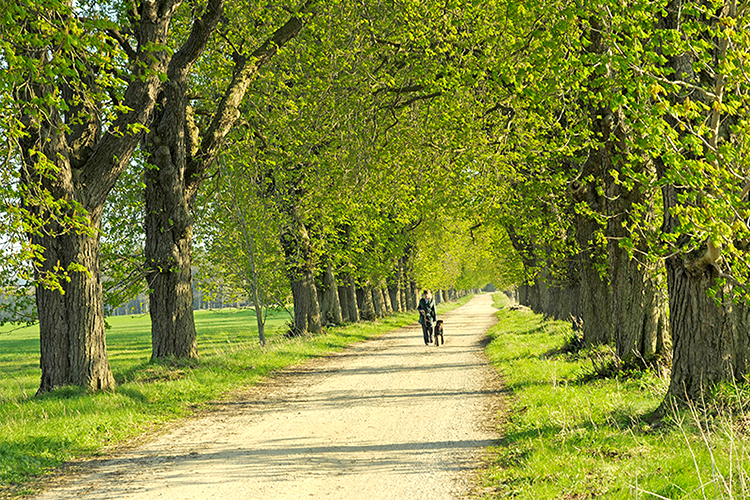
245,70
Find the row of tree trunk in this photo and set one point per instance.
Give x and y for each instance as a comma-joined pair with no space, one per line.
675,309
336,301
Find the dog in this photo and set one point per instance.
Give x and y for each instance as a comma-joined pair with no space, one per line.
438,331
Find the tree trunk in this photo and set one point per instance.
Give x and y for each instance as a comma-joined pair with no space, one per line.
639,313
394,290
351,293
87,162
412,297
365,302
344,301
330,305
639,317
377,301
403,294
708,334
71,325
703,332
306,308
169,232
180,159
596,301
386,299
300,264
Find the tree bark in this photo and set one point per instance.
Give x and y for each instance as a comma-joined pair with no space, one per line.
365,302
639,316
386,299
394,289
300,265
344,301
330,304
708,335
72,336
596,300
704,333
351,293
306,308
412,296
378,301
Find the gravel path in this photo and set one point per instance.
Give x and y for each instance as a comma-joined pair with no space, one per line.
385,419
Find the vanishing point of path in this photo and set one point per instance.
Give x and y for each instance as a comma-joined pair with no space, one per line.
385,419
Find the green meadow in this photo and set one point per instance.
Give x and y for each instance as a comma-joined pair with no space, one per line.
39,433
569,434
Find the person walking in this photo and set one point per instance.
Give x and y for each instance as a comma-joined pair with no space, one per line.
427,315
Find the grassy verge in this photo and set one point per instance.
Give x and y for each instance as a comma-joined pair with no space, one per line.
565,438
37,434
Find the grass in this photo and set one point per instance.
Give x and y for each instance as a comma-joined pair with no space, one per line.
569,439
38,434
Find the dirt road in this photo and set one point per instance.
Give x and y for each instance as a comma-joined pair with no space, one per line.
386,419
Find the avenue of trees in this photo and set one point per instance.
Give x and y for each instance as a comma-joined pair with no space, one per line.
594,154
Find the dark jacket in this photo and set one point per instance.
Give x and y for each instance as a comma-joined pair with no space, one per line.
428,306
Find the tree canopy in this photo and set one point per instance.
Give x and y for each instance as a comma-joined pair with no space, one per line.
593,154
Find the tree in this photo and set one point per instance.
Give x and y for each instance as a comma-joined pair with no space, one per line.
700,93
242,238
80,114
180,155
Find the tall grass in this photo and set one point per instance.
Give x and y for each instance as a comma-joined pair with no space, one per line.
37,434
568,435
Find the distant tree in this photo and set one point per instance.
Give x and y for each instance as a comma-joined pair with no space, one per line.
242,239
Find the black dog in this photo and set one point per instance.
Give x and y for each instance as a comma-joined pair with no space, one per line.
438,332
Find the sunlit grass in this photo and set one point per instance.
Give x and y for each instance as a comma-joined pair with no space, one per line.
566,439
38,433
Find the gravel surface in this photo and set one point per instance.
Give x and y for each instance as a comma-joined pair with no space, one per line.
385,419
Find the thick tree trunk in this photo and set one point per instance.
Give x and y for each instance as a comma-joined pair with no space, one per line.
704,333
344,301
180,158
412,297
365,303
709,334
395,296
639,315
639,303
306,308
386,299
378,301
72,337
330,304
596,300
88,162
402,295
169,232
300,264
595,304
523,294
351,293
